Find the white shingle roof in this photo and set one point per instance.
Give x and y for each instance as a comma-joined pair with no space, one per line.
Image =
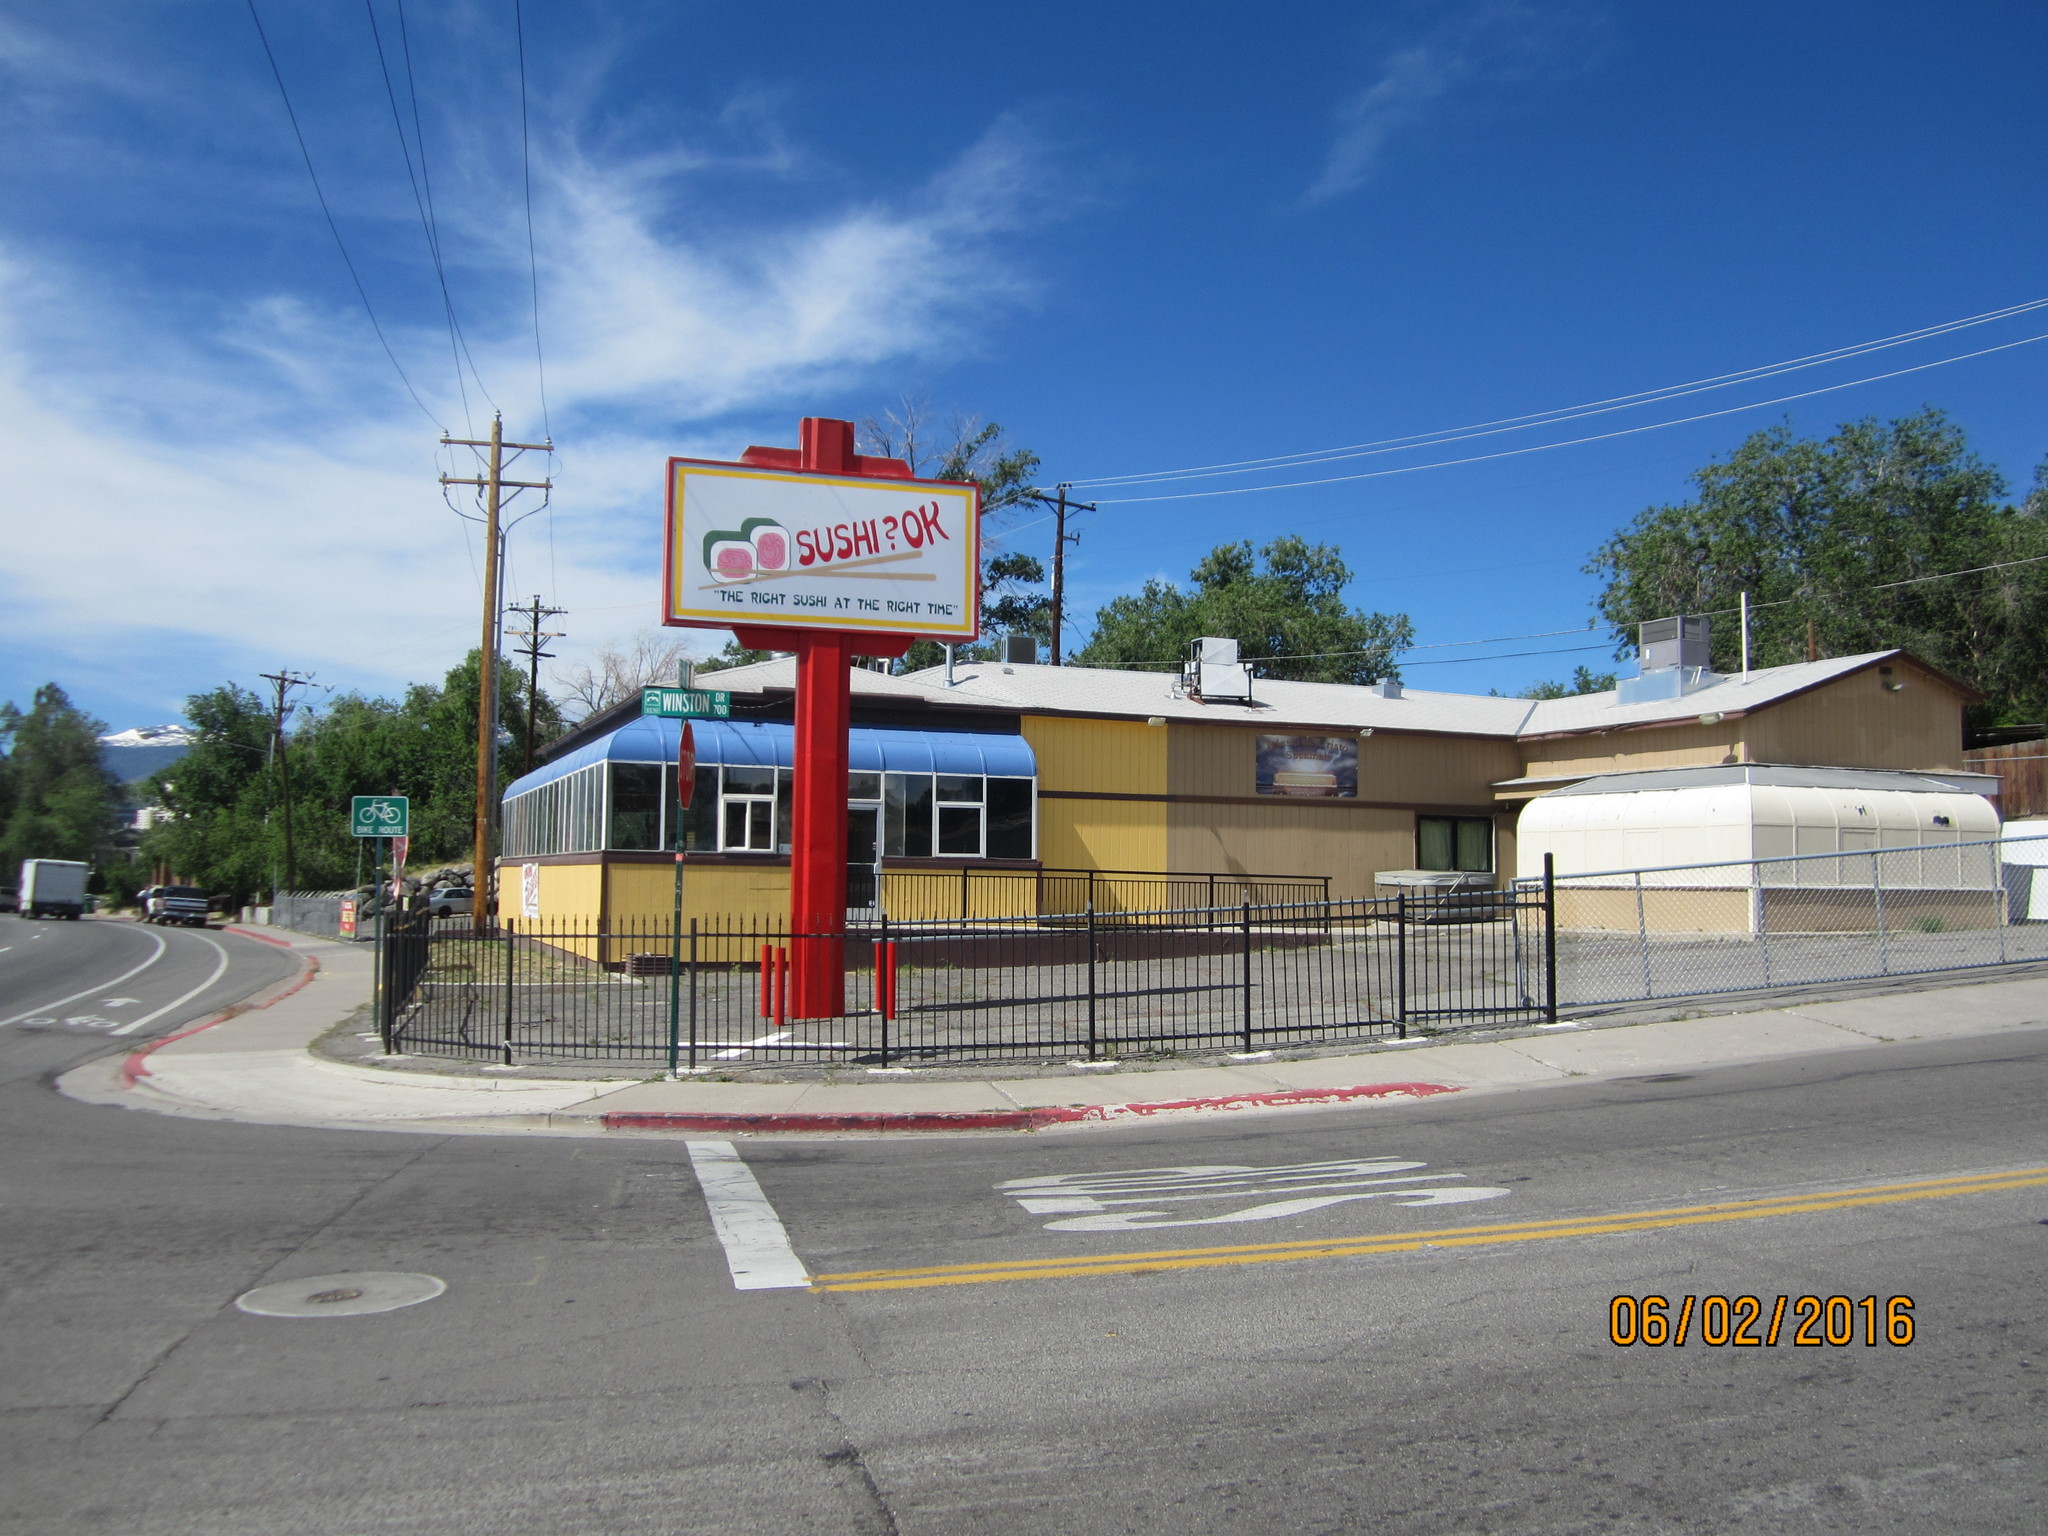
1140,695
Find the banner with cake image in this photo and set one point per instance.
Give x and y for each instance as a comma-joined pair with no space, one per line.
1309,767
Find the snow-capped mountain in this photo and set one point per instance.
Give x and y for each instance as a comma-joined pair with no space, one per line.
151,736
136,754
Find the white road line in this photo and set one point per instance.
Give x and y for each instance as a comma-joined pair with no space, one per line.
98,986
130,1028
756,1245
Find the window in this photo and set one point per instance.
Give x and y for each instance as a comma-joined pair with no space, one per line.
907,815
1009,819
959,815
749,810
636,805
1454,843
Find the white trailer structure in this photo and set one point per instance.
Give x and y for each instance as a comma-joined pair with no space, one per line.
1752,847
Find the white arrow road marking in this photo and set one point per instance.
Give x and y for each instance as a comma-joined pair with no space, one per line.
756,1244
219,966
1304,1186
98,986
118,1002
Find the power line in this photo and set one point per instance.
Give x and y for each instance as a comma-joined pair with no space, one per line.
540,366
413,179
458,342
1598,437
1564,413
328,213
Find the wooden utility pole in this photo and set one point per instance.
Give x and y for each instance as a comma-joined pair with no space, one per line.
494,485
283,681
535,636
1061,539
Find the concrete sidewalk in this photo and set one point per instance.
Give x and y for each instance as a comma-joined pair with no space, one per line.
255,1064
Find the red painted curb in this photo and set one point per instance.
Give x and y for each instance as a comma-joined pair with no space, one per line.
132,1067
1002,1119
251,933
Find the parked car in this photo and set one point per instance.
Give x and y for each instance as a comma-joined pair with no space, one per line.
455,901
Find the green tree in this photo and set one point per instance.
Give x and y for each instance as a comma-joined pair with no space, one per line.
225,831
1583,680
1289,617
1842,535
969,449
57,799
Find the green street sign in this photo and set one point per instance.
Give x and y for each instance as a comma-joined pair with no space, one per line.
686,703
378,815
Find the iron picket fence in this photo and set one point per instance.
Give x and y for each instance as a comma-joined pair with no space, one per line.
1088,985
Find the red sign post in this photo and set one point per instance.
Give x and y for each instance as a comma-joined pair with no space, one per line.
861,573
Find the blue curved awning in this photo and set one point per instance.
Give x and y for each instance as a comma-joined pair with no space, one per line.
772,744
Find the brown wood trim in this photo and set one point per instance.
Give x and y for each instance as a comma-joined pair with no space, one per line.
1333,803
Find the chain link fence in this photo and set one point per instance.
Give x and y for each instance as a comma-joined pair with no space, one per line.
1674,931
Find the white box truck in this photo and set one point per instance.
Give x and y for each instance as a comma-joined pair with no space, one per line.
53,888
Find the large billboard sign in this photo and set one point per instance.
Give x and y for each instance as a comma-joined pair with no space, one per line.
796,549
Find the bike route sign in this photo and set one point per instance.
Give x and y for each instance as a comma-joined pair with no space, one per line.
378,815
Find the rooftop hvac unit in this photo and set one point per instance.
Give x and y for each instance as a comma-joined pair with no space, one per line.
1679,642
1214,674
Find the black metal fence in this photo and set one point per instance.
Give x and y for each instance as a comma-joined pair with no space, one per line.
1090,985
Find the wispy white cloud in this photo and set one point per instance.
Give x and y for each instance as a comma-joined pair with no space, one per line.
222,479
1497,43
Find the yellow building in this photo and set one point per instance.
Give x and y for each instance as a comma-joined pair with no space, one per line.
967,791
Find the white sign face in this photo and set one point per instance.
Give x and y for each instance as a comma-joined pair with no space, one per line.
529,890
1134,1199
792,549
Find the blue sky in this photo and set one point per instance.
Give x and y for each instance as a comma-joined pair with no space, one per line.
1141,237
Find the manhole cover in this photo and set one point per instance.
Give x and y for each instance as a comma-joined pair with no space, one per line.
376,1290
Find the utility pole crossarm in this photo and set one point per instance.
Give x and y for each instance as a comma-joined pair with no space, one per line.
508,485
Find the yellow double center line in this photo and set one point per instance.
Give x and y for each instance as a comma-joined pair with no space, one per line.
1447,1237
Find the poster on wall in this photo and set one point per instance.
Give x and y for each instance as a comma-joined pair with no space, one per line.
793,548
1309,767
529,891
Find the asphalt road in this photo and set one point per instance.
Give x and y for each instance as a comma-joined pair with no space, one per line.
593,1369
66,988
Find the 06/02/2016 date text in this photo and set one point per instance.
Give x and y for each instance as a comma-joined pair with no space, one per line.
1739,1321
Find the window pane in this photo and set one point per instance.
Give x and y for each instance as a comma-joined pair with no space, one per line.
785,810
736,823
907,815
701,822
1475,843
760,825
636,805
1433,842
1009,819
863,786
960,788
960,830
750,781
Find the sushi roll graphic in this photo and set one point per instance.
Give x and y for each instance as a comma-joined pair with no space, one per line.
771,547
758,545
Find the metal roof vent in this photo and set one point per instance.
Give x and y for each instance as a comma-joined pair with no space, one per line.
1020,650
1214,674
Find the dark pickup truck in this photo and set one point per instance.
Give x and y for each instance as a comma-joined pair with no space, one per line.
181,906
